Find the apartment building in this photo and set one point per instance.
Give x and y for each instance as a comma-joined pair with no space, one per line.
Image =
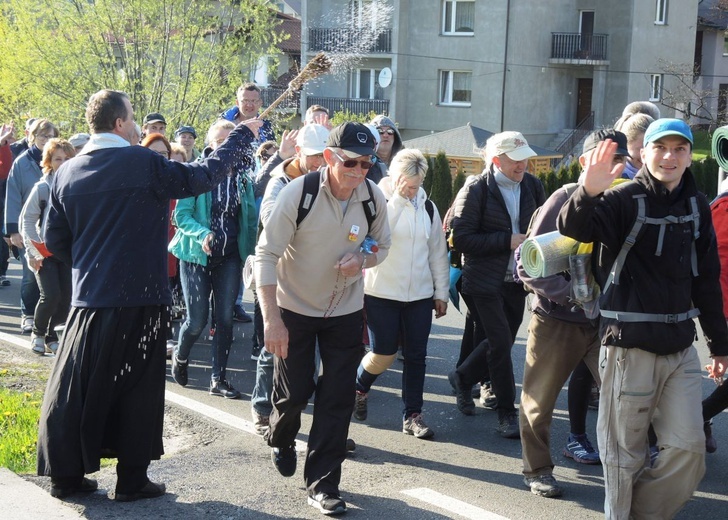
539,66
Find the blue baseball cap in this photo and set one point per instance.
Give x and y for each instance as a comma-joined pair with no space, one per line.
667,126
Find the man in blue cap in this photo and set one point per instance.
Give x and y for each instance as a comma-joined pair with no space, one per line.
658,268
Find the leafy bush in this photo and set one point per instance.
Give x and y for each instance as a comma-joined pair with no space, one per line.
19,415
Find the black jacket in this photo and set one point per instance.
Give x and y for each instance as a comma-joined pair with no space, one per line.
481,230
648,283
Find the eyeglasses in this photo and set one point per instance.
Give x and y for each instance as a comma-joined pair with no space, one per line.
387,131
45,136
351,163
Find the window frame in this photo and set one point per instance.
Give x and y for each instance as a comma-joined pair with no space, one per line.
655,87
446,99
451,31
661,7
725,43
355,90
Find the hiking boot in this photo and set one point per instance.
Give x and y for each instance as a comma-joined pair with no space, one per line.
543,486
328,503
179,370
37,344
261,422
415,425
463,396
710,443
487,397
581,450
508,426
284,460
360,406
223,389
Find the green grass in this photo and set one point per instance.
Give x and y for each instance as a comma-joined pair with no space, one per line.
19,414
702,144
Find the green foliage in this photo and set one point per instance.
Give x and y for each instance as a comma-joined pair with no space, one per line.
19,415
441,193
184,59
706,176
345,116
574,171
427,183
458,182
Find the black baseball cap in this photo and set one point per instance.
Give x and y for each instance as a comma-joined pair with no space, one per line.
354,139
185,129
596,137
154,117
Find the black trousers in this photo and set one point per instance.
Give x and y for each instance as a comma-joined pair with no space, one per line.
500,315
339,343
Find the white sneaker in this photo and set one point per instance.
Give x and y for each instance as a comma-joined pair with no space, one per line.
26,324
51,347
37,344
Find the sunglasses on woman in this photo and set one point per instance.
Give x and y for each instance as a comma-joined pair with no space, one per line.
351,163
387,131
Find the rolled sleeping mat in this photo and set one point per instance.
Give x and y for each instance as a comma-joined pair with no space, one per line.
248,277
547,254
720,146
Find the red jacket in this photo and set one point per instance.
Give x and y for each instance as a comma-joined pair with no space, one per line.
6,161
719,211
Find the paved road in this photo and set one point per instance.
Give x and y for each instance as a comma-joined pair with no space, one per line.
218,468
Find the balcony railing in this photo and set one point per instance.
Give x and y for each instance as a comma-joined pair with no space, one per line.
350,40
576,46
353,105
291,103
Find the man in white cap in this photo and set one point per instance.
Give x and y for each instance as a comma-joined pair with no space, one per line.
491,216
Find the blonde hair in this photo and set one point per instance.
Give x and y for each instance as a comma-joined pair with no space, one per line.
50,148
633,126
220,124
178,148
409,162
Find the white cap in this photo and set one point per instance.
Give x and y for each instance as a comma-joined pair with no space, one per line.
513,144
312,139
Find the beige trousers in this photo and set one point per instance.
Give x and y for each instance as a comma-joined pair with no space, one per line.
639,388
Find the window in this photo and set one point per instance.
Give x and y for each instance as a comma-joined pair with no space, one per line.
661,12
655,87
458,17
455,88
725,44
366,14
364,84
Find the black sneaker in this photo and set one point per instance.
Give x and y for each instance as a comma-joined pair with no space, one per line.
65,487
179,371
224,389
255,352
508,426
360,406
150,490
284,460
328,503
463,395
4,282
487,397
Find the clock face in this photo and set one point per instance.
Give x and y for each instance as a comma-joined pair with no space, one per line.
385,77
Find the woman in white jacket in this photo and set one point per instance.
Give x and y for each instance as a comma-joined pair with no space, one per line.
401,292
53,276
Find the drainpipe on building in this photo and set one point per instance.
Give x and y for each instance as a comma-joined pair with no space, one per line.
505,67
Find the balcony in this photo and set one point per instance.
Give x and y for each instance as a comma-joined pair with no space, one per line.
350,40
578,49
353,105
291,104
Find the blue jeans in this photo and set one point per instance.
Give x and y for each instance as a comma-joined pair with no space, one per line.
386,318
29,291
220,277
260,399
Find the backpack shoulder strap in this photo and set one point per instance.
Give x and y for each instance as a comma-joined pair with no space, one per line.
370,207
430,208
618,264
311,183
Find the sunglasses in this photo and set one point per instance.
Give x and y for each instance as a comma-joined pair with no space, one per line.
387,131
351,163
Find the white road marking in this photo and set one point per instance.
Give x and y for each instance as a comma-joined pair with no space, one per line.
452,505
25,343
